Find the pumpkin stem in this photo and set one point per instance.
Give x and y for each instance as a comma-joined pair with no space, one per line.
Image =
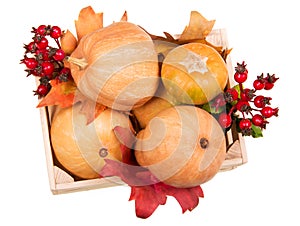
79,62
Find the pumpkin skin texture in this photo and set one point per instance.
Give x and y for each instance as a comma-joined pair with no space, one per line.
116,66
80,147
183,146
160,101
194,73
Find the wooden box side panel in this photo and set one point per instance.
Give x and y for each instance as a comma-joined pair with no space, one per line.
236,149
47,145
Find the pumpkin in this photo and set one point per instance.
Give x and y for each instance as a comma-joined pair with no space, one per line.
159,102
116,66
183,146
80,147
194,73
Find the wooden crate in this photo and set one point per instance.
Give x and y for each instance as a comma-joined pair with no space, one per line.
61,182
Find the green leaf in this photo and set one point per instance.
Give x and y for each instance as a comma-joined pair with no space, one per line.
237,88
211,109
256,131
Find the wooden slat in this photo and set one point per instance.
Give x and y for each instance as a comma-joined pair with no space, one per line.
85,185
236,153
48,151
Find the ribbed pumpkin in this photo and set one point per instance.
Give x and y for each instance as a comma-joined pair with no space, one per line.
183,146
116,66
80,147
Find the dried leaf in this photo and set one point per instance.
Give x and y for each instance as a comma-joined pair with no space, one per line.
61,94
133,175
68,42
199,27
89,108
169,37
88,21
188,198
147,191
147,199
66,94
124,17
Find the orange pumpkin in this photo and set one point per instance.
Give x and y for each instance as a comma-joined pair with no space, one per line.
183,146
194,73
116,66
80,147
159,102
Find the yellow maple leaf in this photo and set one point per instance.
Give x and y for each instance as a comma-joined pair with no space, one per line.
61,94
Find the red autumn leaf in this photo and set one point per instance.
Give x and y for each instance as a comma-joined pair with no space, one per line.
147,191
61,94
127,138
132,175
188,198
147,199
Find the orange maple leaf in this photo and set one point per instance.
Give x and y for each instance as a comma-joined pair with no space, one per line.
61,94
88,21
66,94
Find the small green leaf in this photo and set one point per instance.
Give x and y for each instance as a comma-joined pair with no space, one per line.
256,131
211,109
237,88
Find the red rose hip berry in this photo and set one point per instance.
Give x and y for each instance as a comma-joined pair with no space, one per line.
258,120
241,73
55,32
30,63
41,30
42,90
47,68
245,124
258,84
42,44
59,55
268,112
225,120
261,101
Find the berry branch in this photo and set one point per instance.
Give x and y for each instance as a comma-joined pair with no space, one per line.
244,106
45,61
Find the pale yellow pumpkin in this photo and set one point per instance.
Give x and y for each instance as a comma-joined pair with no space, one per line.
183,146
116,66
80,147
194,73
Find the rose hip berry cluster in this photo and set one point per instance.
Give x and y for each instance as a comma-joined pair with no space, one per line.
43,60
245,106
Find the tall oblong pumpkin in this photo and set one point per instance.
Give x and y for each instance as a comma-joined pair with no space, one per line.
116,66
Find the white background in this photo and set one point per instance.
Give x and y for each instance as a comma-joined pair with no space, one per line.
264,191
